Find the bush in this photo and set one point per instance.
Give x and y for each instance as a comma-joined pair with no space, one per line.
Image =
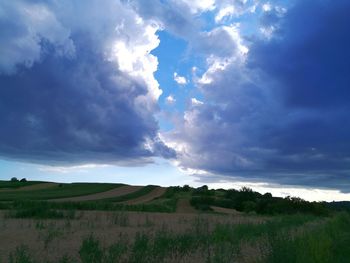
186,188
249,206
202,203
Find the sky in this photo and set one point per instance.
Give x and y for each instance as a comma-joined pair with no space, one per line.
227,93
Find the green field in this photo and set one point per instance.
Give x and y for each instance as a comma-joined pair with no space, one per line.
58,191
143,191
14,185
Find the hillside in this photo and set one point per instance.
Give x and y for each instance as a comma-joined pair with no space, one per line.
105,223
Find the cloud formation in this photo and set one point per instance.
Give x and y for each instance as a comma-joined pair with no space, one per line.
181,80
272,103
278,113
70,91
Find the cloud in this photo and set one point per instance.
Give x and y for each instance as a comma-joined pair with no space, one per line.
198,6
179,79
279,113
223,13
221,42
68,94
24,26
170,100
183,19
270,19
173,16
196,102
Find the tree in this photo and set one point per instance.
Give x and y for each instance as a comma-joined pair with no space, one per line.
186,188
23,180
14,179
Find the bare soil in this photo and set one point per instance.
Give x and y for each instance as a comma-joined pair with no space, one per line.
184,206
119,191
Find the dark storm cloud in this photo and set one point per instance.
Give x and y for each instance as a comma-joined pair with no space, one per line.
309,58
283,116
310,54
77,107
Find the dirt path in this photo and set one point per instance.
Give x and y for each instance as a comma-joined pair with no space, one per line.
157,192
119,191
225,210
184,206
30,187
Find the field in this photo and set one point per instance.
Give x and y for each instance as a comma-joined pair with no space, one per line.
93,223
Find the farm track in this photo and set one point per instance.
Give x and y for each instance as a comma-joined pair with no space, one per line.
157,192
116,192
184,206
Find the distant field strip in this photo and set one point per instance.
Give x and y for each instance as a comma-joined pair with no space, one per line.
154,193
58,191
38,186
7,185
140,191
116,192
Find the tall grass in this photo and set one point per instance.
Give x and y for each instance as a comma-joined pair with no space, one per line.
20,255
218,243
323,243
287,239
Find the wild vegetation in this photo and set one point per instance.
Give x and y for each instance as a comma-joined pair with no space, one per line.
261,228
246,200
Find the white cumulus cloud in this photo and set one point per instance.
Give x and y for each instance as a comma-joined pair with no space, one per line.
170,100
180,79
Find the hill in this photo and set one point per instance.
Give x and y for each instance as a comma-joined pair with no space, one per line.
105,223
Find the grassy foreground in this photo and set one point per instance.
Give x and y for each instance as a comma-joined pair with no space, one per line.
297,238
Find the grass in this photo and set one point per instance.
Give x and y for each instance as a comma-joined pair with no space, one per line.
40,212
169,204
297,239
61,210
325,243
59,191
220,244
20,255
143,191
32,204
91,251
